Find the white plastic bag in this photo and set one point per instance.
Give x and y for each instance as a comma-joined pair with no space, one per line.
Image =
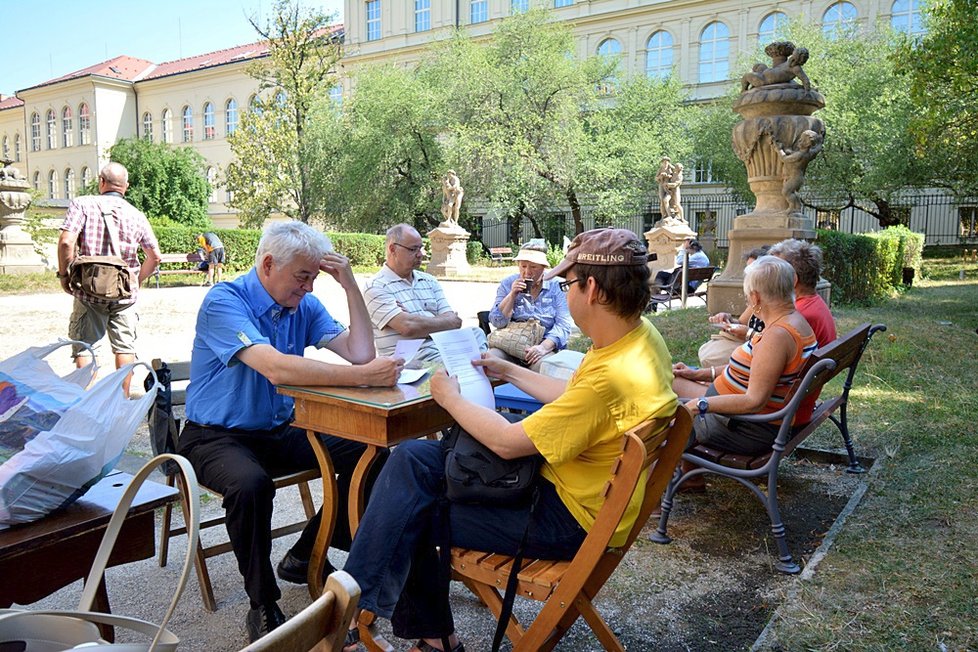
57,439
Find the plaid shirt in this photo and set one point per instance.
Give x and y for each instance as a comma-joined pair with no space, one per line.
84,217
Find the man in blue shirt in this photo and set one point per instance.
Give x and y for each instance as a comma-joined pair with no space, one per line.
251,336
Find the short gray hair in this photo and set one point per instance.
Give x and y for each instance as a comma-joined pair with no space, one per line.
772,278
396,232
285,241
804,256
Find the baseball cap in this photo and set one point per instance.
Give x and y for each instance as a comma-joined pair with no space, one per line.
606,247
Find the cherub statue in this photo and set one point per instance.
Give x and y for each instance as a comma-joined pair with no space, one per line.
675,181
779,74
663,177
451,202
795,162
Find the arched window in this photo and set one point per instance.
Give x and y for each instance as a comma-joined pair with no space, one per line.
478,11
839,17
52,129
17,148
906,17
658,55
188,124
336,95
35,132
280,98
254,104
148,126
209,131
212,182
53,184
714,62
37,181
772,27
66,127
69,184
86,177
6,148
609,49
230,116
84,125
520,6
165,136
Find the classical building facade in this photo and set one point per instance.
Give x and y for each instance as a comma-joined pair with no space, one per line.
59,131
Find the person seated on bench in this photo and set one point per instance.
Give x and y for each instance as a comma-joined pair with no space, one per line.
806,259
623,380
526,295
697,258
759,375
251,335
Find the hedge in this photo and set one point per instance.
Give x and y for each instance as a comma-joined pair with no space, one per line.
240,245
867,268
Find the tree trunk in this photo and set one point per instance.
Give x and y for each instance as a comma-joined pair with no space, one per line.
886,215
575,206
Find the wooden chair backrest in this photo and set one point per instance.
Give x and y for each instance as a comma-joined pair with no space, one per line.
845,351
320,626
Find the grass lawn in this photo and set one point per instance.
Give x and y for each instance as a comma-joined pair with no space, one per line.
903,574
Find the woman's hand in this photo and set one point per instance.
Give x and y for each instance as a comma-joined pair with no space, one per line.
519,285
681,370
534,354
737,330
720,318
444,387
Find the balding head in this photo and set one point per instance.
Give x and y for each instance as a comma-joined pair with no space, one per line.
113,176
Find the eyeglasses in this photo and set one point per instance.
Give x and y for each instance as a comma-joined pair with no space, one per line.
565,285
413,250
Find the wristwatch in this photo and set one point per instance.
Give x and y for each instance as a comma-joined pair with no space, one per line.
703,406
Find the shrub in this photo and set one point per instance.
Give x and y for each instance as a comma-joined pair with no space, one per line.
862,268
474,252
363,249
555,254
910,251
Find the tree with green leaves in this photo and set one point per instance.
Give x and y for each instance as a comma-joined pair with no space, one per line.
164,181
942,66
379,161
269,174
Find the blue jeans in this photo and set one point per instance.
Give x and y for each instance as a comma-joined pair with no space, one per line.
393,556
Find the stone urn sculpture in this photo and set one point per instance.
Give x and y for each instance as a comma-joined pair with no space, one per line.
17,255
776,140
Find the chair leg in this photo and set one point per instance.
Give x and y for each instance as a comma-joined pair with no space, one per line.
843,425
494,602
306,497
165,526
785,563
660,536
200,561
598,625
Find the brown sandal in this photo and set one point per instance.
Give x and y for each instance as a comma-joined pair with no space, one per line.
424,646
352,639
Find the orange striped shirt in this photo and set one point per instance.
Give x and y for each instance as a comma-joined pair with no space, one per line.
736,377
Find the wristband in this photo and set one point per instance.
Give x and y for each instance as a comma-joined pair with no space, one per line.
61,275
713,373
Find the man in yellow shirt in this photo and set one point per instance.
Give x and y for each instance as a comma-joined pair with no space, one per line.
623,380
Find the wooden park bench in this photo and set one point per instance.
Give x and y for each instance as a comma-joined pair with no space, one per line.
674,288
193,258
164,430
500,255
823,365
567,587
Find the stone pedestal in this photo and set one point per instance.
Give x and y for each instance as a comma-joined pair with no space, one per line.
17,255
665,240
448,244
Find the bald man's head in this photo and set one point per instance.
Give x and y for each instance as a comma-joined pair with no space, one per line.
113,176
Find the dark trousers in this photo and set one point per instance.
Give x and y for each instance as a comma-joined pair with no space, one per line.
393,557
241,466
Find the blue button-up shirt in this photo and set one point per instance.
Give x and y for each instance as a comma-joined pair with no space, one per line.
227,393
549,308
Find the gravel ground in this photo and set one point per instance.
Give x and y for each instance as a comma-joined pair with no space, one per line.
713,588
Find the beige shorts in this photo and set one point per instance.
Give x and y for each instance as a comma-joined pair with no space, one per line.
90,321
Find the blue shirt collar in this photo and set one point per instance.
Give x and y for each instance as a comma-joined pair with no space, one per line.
261,300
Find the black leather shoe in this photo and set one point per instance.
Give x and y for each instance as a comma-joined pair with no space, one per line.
295,570
263,619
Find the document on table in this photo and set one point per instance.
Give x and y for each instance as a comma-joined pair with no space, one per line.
458,349
409,376
407,349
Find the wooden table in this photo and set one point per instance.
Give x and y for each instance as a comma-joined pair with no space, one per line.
376,416
37,559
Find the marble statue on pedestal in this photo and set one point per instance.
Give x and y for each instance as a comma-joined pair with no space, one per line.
451,203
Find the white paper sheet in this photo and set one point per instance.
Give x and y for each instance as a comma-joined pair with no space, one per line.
407,349
458,349
409,376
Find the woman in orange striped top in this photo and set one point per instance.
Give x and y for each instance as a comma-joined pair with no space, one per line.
759,375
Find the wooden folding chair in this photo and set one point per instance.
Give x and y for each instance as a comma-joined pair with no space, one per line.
568,587
180,371
321,626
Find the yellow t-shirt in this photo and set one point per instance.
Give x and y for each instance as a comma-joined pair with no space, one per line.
579,434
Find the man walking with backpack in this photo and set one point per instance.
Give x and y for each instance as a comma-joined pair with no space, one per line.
105,225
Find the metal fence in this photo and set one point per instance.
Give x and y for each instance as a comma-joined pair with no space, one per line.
942,218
